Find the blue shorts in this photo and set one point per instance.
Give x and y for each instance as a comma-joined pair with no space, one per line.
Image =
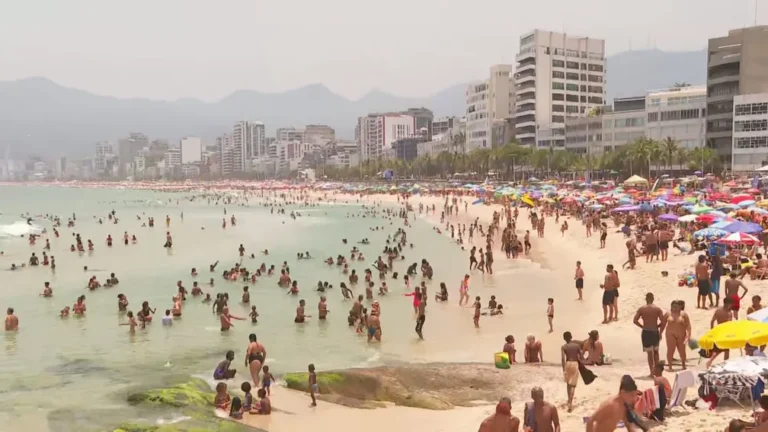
314,388
715,286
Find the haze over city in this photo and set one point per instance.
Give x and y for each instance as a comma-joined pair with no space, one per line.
199,49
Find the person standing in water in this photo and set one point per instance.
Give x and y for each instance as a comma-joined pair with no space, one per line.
11,320
422,316
255,356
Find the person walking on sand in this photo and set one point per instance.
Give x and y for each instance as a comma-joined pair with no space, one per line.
652,326
579,278
540,415
502,420
570,360
464,291
550,313
609,287
632,252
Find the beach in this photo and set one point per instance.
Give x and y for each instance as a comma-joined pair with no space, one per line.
95,355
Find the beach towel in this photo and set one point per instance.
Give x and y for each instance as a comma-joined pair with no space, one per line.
683,381
530,419
586,375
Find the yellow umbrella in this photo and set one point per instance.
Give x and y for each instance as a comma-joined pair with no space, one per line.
763,203
735,334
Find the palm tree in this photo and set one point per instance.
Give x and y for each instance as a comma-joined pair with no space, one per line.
669,147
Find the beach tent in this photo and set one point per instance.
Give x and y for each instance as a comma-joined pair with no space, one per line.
636,180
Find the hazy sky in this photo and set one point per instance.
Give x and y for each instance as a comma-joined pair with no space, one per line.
168,49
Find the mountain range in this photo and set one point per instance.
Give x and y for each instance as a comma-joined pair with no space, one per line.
40,117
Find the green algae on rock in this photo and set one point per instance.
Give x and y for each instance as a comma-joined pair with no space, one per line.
193,393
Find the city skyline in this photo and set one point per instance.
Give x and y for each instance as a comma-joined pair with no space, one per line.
159,53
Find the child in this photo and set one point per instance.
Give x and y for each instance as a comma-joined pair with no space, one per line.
265,406
131,322
248,398
207,298
254,315
313,384
167,319
267,379
64,312
477,307
363,321
221,401
550,312
236,409
492,302
223,371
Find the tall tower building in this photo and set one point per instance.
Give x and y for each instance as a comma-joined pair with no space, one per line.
557,76
492,99
737,65
249,142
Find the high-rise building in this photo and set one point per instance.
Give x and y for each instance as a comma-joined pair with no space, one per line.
191,150
737,65
377,132
248,141
441,126
289,134
557,76
423,118
104,155
750,132
319,135
226,155
172,158
488,101
129,148
678,113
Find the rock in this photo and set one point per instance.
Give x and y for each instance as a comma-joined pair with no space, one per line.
194,393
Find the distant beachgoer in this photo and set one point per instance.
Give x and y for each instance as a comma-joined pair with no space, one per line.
11,320
571,360
533,351
579,278
255,356
550,313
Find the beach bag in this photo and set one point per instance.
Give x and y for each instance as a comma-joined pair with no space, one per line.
501,360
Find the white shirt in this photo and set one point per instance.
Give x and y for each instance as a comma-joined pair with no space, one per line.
167,320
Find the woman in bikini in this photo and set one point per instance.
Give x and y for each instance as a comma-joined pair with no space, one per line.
677,333
255,356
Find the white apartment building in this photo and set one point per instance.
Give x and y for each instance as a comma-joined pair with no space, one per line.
679,113
226,155
139,164
191,150
492,99
104,152
750,132
377,132
172,158
557,76
248,141
319,135
290,134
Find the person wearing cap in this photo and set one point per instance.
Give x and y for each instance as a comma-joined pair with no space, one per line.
502,420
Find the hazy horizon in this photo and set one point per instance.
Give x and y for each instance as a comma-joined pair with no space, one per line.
178,49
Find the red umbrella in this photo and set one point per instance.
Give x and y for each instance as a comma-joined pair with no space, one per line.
709,218
753,191
739,198
739,238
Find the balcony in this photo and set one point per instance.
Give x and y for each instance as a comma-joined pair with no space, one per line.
525,122
529,96
528,54
525,110
722,79
724,58
720,97
525,131
526,67
530,77
525,91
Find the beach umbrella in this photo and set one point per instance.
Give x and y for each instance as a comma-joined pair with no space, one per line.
625,209
739,198
645,207
709,234
687,218
757,210
668,217
735,334
739,238
753,191
760,316
708,218
701,209
743,227
763,203
746,203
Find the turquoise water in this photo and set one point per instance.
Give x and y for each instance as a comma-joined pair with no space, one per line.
53,365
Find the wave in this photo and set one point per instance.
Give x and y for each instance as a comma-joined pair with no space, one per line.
20,228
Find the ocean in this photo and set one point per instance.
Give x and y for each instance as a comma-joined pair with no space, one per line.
56,370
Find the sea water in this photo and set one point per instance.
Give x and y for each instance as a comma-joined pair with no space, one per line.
55,369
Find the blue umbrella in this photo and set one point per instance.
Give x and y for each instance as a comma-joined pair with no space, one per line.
709,234
645,207
744,227
747,203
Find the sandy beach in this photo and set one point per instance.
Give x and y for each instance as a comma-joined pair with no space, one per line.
556,254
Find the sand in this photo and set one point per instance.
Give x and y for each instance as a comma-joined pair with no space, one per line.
557,254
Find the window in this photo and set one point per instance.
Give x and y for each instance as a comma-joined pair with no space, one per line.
558,97
526,40
572,87
752,142
670,115
583,66
583,99
751,126
752,109
558,86
571,98
689,114
572,65
596,68
595,78
558,63
595,100
571,109
583,88
607,124
558,74
572,76
558,119
583,77
596,89
653,117
558,108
